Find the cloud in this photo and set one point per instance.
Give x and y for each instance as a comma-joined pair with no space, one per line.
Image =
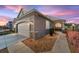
52,13
73,20
70,21
54,10
66,12
15,8
3,20
61,12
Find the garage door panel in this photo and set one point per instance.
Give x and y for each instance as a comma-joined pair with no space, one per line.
23,29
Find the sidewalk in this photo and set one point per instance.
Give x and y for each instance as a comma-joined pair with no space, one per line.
61,44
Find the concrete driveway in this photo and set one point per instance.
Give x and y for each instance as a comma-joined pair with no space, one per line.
7,40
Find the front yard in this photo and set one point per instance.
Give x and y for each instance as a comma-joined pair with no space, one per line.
41,45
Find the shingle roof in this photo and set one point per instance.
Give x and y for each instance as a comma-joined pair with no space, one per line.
51,18
54,18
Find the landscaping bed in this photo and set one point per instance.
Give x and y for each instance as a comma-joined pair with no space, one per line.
41,45
73,40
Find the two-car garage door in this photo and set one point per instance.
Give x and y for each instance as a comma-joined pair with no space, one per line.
23,29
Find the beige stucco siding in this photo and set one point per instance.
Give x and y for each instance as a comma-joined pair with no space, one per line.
40,26
39,23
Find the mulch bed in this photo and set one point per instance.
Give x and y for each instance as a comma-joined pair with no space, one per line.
41,45
5,50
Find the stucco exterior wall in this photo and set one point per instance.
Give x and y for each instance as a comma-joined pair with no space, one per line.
27,19
40,26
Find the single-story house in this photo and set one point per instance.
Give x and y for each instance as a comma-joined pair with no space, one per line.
9,25
34,24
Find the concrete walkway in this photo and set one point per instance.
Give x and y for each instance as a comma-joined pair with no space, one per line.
19,48
61,44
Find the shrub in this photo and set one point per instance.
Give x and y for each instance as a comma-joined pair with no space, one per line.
51,31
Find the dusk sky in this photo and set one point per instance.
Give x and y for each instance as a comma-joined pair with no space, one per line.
67,12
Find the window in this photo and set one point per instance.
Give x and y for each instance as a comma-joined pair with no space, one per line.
47,24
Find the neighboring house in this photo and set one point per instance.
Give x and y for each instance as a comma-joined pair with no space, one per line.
33,24
10,25
70,26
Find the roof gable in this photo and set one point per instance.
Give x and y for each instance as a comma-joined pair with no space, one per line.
21,13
